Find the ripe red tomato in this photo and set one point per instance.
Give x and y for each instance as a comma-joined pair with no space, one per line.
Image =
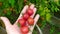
24,29
30,11
24,33
25,16
22,22
30,21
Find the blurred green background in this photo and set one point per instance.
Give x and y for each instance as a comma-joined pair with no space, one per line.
49,11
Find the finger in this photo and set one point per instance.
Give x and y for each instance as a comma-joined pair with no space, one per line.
24,9
34,12
22,12
35,21
6,22
32,6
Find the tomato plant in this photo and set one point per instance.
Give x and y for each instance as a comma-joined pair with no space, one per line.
45,8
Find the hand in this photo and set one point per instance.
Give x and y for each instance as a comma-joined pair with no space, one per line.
14,29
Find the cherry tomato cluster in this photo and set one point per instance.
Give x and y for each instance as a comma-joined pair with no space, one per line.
26,19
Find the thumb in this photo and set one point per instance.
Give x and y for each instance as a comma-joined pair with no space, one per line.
9,27
6,22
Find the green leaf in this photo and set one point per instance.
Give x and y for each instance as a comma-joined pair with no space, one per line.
20,3
41,10
56,9
34,32
52,29
58,32
42,13
56,2
18,24
12,2
8,12
43,24
6,5
52,8
1,0
48,17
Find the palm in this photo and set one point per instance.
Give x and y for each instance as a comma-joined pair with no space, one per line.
14,29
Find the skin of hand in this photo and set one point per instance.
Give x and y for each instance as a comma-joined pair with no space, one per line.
14,29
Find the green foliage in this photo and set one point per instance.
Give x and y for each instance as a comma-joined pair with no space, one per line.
18,24
52,29
12,2
34,32
43,24
16,6
58,32
45,8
